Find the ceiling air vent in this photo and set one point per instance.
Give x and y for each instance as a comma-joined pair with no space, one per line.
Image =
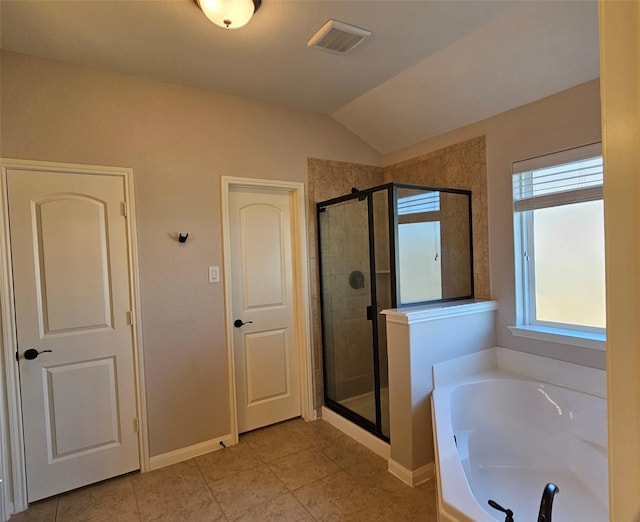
338,37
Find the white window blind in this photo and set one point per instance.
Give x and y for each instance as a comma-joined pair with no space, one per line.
418,203
562,178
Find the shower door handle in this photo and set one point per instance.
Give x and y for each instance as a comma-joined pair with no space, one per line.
369,313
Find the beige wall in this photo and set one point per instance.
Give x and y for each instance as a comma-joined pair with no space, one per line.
568,119
179,141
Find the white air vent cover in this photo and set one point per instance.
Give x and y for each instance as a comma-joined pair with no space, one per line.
338,37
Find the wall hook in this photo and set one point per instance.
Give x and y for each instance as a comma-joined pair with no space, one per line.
182,239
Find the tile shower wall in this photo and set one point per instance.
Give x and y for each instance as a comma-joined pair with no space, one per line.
345,249
383,277
460,166
326,180
456,279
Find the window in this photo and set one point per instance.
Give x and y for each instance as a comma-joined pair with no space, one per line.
559,238
418,203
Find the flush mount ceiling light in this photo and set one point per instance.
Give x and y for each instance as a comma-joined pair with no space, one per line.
230,14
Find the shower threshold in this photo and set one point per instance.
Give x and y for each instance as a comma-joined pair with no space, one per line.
364,405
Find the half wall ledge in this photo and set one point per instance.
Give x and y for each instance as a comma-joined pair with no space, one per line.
417,338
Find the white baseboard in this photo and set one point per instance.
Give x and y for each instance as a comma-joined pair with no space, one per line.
368,440
412,478
182,454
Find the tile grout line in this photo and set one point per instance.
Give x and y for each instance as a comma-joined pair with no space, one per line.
358,469
55,516
135,496
206,483
289,491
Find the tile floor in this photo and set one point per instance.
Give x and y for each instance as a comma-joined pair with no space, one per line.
293,471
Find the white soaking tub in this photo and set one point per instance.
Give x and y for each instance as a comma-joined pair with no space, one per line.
500,436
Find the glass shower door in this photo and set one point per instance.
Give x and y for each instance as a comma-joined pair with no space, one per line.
349,370
384,300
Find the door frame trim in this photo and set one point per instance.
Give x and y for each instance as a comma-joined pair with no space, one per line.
301,289
14,486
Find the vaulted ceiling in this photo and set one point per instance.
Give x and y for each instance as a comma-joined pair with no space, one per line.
429,67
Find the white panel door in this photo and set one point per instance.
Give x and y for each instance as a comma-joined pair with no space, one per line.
72,297
265,349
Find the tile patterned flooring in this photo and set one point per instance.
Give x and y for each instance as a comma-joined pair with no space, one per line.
289,472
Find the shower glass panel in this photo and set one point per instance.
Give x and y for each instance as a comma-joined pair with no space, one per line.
434,245
384,299
381,248
346,297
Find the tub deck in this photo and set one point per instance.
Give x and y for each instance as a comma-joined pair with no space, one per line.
502,437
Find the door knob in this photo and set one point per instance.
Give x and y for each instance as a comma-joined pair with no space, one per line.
238,323
32,353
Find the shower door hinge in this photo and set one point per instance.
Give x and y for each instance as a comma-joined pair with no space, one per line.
369,313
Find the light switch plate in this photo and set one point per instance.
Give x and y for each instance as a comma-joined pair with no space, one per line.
214,274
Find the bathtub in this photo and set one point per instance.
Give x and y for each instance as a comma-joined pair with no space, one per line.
500,436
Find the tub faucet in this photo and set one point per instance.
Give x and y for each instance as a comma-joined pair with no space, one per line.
546,502
508,513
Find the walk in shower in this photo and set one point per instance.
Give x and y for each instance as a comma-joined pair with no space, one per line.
385,247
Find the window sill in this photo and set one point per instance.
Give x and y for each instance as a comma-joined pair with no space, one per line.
559,335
